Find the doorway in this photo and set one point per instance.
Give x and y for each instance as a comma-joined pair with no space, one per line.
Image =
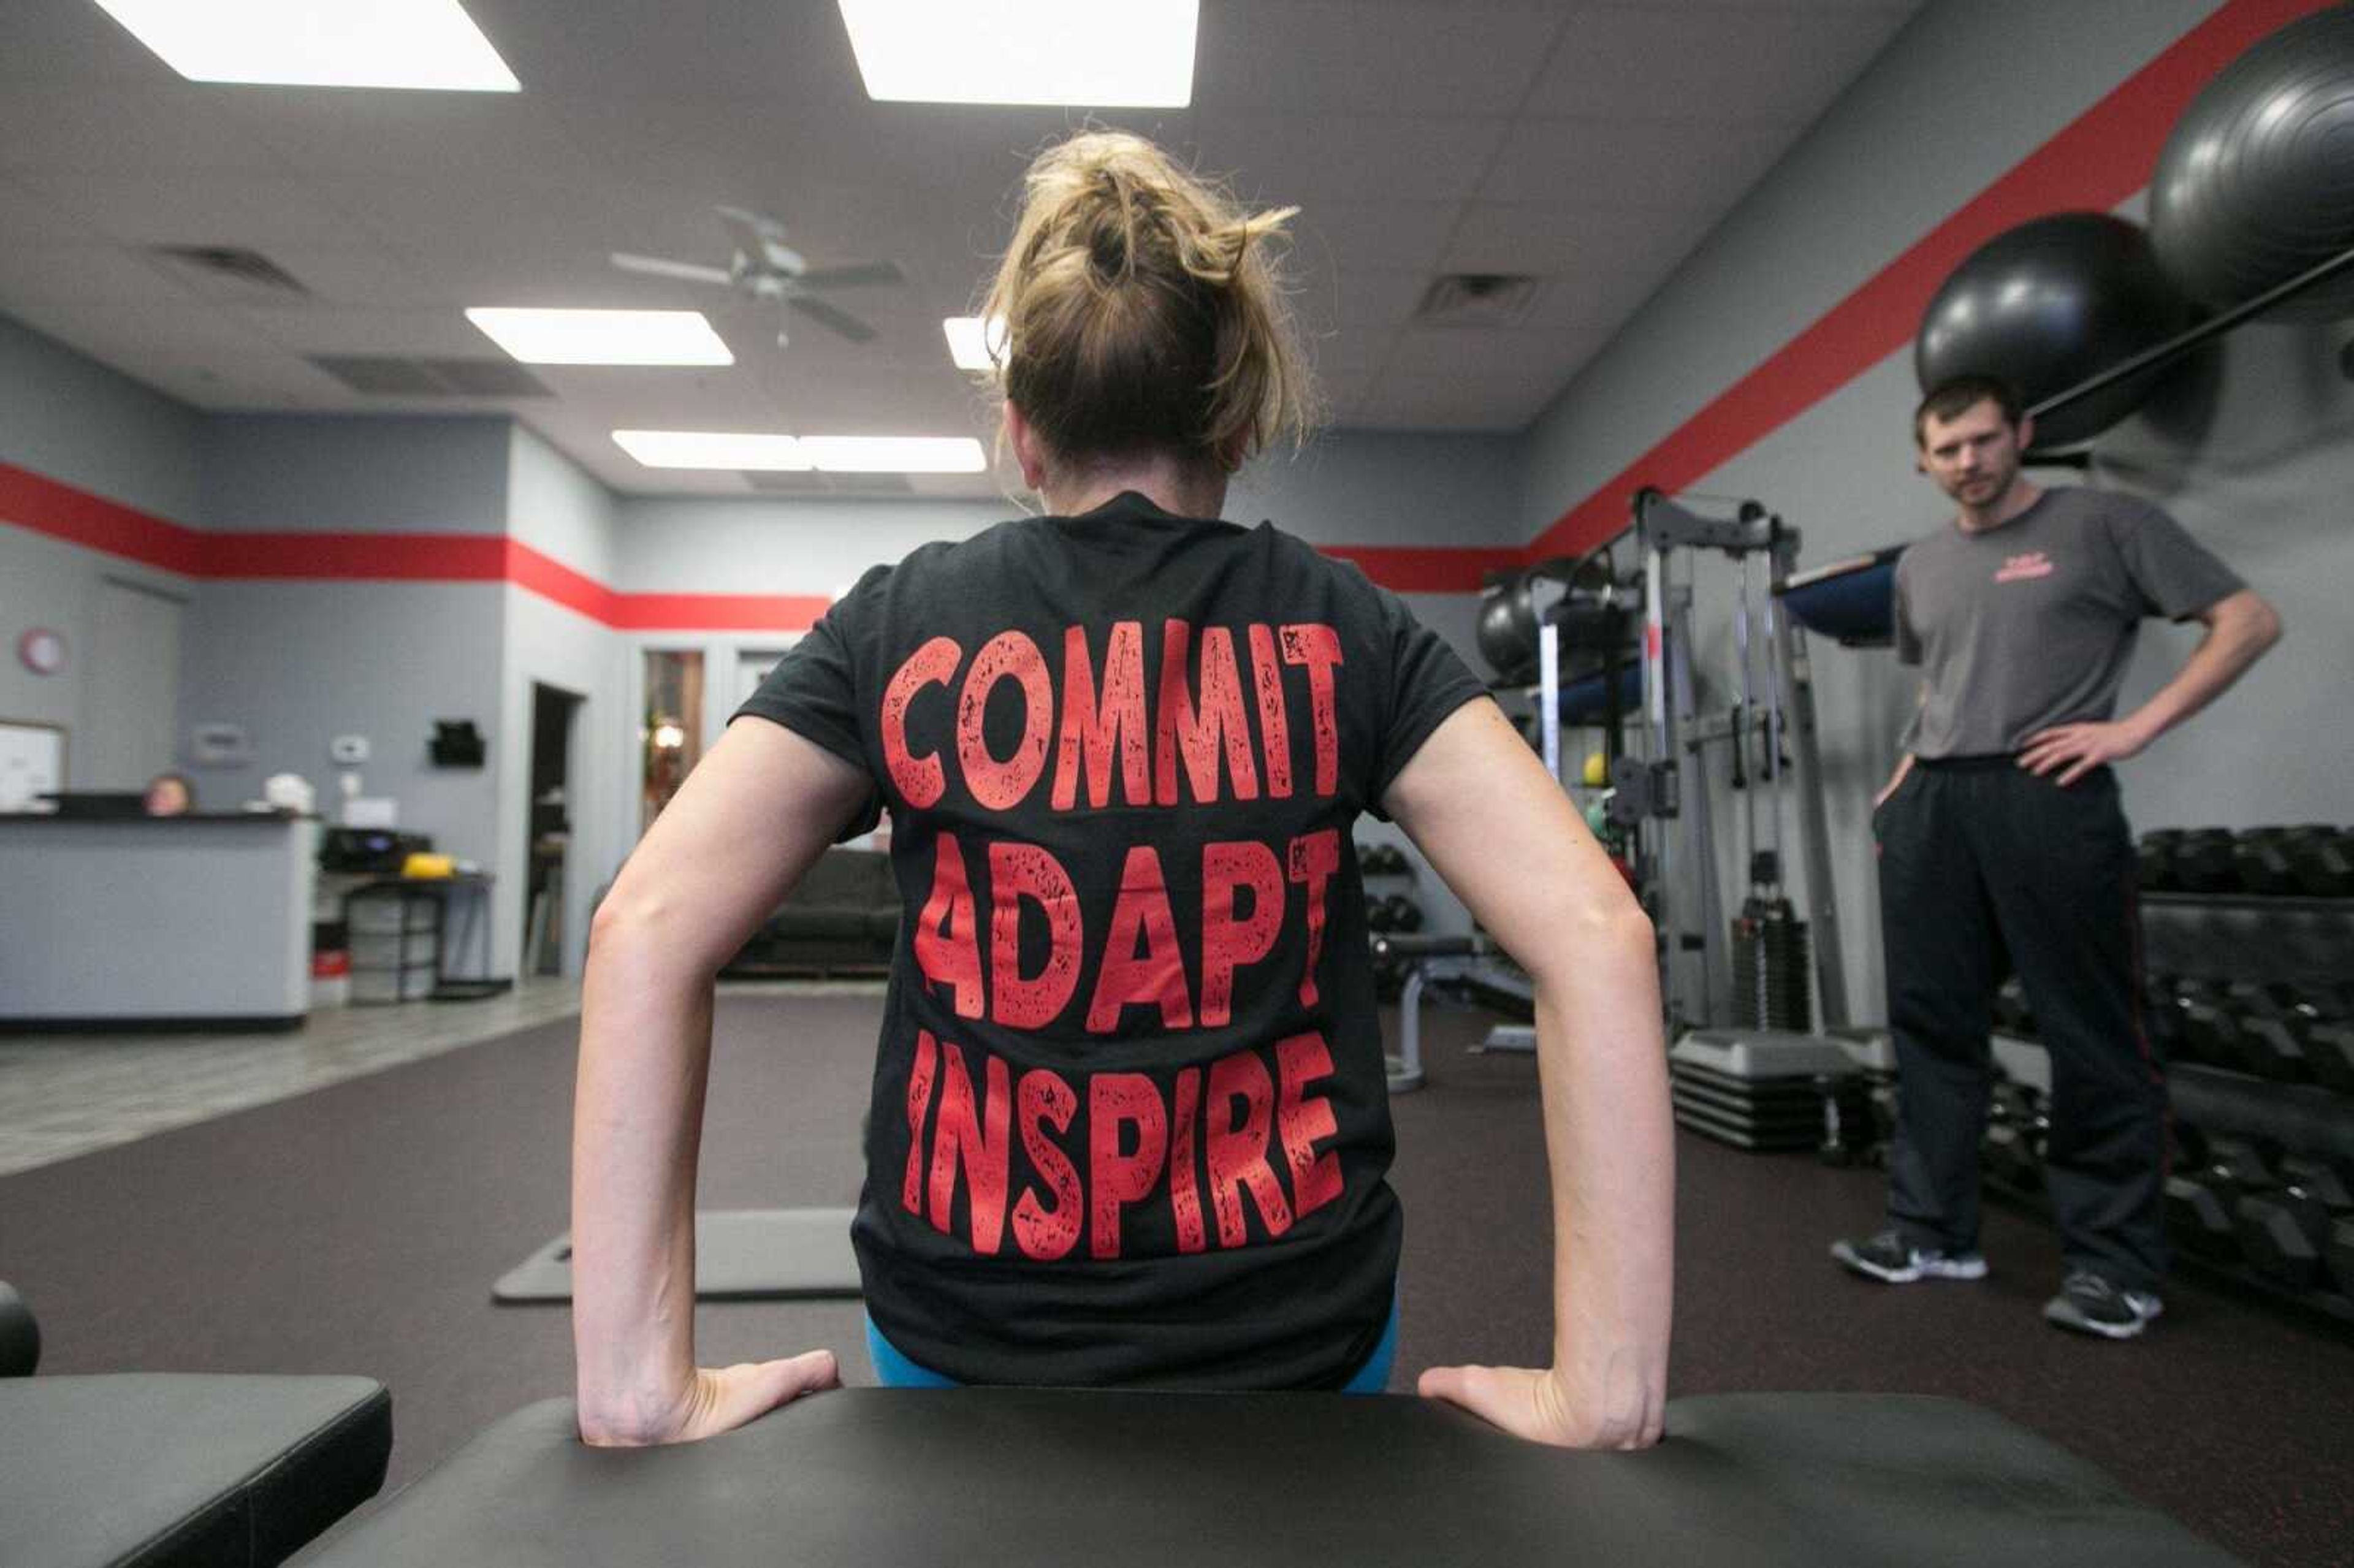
548,812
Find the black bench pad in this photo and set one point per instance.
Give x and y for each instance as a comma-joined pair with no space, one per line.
870,1478
161,1470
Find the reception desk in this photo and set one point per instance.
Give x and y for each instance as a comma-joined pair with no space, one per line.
193,922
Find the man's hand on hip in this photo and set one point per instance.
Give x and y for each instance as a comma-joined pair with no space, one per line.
2076,749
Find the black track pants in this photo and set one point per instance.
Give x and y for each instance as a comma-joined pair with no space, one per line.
1985,868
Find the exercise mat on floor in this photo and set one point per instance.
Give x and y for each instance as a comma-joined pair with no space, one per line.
740,1254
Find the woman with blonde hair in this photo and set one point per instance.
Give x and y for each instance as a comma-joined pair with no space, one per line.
1130,1124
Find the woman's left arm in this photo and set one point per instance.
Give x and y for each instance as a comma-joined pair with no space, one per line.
748,821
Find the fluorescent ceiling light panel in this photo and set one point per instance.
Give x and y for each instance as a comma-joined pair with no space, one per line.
894,454
603,337
714,448
1127,53
969,347
319,43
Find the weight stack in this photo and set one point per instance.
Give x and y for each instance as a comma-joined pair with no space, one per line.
1771,968
1764,1090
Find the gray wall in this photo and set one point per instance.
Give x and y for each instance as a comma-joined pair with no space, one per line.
71,420
557,509
372,473
299,662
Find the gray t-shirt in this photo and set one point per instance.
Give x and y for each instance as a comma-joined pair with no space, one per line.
2032,624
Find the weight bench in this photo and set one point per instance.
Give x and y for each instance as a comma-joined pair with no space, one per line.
1440,957
867,1477
177,1471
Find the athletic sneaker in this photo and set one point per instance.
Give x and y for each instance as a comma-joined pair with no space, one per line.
2091,1305
1890,1258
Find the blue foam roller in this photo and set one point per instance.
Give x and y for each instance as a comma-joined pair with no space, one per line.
1854,602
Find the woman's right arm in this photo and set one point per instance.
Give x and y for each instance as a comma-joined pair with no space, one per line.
1507,841
742,829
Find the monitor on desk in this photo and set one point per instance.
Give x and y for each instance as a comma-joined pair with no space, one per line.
86,803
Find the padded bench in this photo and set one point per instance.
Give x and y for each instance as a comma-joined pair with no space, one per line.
882,1478
177,1471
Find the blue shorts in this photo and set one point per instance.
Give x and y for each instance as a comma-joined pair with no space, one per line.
892,1370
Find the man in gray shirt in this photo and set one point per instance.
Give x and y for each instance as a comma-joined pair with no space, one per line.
2002,843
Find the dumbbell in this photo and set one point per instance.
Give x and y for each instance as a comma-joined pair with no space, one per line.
1377,914
2329,1056
2283,1233
1403,913
2011,1013
2154,859
2199,1219
2260,859
2322,861
2211,1023
2012,1146
2203,861
1381,860
2184,998
2240,1164
2274,1035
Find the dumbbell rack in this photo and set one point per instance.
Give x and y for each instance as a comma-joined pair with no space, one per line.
2223,937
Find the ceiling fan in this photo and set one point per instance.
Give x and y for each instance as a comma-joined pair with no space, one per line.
767,269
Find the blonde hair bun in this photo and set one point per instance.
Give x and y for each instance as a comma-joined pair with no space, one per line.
1144,310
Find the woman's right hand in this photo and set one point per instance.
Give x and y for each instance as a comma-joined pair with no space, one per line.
715,1399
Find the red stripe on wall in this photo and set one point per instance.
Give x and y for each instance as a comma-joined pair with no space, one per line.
2104,155
46,506
382,557
551,579
717,611
1407,570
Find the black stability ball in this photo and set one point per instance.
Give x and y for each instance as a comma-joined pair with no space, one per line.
2256,182
2047,305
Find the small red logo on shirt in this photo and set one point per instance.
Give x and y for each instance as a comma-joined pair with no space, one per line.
2020,568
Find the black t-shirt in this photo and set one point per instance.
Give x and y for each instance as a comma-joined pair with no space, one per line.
1131,1123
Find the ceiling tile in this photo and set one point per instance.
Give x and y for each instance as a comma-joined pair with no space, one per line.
224,382
1328,237
1289,158
330,131
1728,66
113,329
375,276
1360,300
29,219
1342,56
348,329
1556,239
258,210
53,40
62,125
798,54
1634,162
84,274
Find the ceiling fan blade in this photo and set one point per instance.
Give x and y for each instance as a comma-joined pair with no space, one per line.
767,237
841,320
856,274
659,267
